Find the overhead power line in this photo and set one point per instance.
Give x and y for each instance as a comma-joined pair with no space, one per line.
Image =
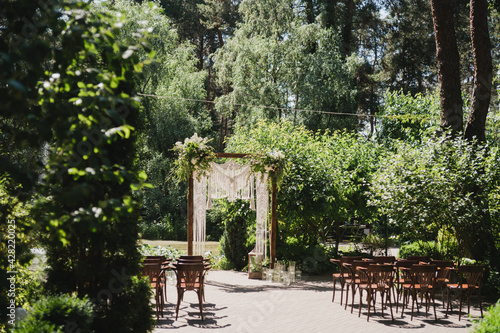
285,109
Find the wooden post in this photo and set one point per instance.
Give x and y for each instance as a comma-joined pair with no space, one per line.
274,223
190,216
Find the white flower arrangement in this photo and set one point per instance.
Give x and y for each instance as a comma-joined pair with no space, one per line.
194,154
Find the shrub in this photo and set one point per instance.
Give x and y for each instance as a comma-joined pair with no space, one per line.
310,259
436,250
29,285
491,321
58,314
168,252
234,239
158,230
132,311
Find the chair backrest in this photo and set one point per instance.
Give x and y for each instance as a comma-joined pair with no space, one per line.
381,275
349,259
189,276
472,275
338,263
442,266
384,259
151,270
191,257
362,274
160,258
419,258
424,275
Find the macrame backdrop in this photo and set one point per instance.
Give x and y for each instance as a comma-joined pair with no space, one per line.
232,181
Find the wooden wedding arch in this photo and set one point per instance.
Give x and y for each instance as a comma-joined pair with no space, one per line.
190,210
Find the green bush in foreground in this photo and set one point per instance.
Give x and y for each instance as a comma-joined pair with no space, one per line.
61,313
491,321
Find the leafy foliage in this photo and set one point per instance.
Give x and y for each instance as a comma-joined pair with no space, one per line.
58,314
440,186
491,321
83,113
325,182
409,118
174,76
234,239
275,59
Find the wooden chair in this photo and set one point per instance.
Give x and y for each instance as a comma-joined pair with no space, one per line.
423,282
442,275
384,259
343,274
470,279
190,277
376,278
354,281
402,277
154,273
164,262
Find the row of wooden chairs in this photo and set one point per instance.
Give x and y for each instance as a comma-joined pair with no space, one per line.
405,279
190,273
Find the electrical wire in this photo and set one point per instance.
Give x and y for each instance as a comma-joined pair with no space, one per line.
285,109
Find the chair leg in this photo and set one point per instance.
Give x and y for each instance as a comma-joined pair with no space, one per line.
460,306
200,301
334,283
369,304
180,293
480,305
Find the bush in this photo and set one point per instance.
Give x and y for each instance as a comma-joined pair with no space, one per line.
158,230
132,311
234,239
310,259
436,250
61,313
29,285
491,321
168,252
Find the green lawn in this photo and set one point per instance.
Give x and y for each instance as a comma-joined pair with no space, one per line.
179,245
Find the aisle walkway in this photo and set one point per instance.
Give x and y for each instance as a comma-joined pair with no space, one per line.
237,304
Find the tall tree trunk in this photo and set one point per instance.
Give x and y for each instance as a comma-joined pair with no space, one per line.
448,64
483,70
347,28
310,11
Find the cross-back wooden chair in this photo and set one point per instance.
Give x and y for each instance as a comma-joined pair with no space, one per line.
190,277
164,262
470,280
442,275
376,278
423,283
354,280
340,276
402,277
154,272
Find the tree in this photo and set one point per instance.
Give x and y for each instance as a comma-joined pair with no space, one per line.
448,65
269,62
81,108
166,120
408,47
483,71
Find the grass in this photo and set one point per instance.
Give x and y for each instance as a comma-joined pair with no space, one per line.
180,245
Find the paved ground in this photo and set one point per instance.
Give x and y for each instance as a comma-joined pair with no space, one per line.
237,304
